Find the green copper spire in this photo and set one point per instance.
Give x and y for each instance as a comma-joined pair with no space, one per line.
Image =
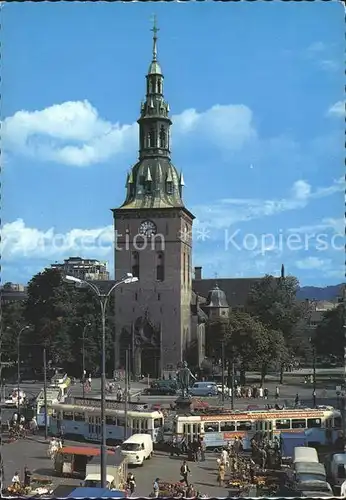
154,181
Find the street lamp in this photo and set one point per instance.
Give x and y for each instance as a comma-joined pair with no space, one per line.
103,299
18,363
83,357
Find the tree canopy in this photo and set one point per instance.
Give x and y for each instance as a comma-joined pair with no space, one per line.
273,302
329,335
57,313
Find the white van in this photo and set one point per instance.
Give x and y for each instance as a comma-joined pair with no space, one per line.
305,454
137,448
338,468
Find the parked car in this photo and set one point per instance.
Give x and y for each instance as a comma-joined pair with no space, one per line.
159,391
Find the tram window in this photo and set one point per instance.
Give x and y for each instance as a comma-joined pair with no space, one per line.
282,424
227,426
186,428
121,422
244,426
337,422
157,422
341,471
298,423
67,415
314,423
211,426
79,417
111,421
144,424
174,427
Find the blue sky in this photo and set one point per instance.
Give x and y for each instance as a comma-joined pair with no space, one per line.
256,95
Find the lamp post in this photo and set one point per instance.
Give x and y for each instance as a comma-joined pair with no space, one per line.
18,363
223,371
83,357
103,300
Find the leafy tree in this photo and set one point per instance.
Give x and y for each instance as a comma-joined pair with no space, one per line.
58,313
12,322
273,302
329,335
246,340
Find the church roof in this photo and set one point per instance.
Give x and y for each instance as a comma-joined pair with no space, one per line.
216,298
235,289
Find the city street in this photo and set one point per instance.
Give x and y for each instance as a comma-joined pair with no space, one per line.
32,452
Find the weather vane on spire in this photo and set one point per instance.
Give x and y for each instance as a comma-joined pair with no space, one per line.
154,29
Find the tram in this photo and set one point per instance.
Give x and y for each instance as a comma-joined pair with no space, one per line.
84,422
321,425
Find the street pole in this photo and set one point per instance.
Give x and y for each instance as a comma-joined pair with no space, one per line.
103,300
103,304
126,391
18,364
314,374
233,384
223,371
45,393
83,358
344,391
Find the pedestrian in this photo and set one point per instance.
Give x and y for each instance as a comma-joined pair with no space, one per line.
221,474
27,477
260,392
184,471
296,400
277,392
156,487
16,481
266,393
203,449
33,425
131,482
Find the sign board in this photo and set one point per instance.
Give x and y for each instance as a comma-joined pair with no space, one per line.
110,404
262,416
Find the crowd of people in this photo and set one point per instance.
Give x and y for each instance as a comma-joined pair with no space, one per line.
18,426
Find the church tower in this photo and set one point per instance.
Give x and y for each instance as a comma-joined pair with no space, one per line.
153,232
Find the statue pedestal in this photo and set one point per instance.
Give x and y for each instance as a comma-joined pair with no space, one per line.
183,404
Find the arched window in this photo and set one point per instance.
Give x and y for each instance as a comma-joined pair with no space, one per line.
135,264
184,266
152,138
163,137
169,187
160,267
159,86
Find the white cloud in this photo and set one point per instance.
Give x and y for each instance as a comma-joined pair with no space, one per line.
316,48
73,133
227,212
327,224
313,263
19,241
337,109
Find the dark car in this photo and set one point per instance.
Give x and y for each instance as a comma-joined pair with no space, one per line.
160,391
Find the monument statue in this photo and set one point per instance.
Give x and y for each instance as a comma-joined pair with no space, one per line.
184,376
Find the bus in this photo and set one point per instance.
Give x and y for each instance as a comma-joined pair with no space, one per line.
322,425
84,422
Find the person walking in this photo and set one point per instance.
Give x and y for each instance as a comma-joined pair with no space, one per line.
156,487
202,449
277,392
27,477
131,482
221,474
296,400
184,471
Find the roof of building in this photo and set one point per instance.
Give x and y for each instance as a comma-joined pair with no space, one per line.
236,289
216,298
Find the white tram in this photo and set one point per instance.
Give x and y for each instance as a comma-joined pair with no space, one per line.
84,422
321,425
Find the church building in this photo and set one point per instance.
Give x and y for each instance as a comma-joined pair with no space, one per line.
160,317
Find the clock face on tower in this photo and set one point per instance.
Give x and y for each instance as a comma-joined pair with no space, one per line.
147,228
